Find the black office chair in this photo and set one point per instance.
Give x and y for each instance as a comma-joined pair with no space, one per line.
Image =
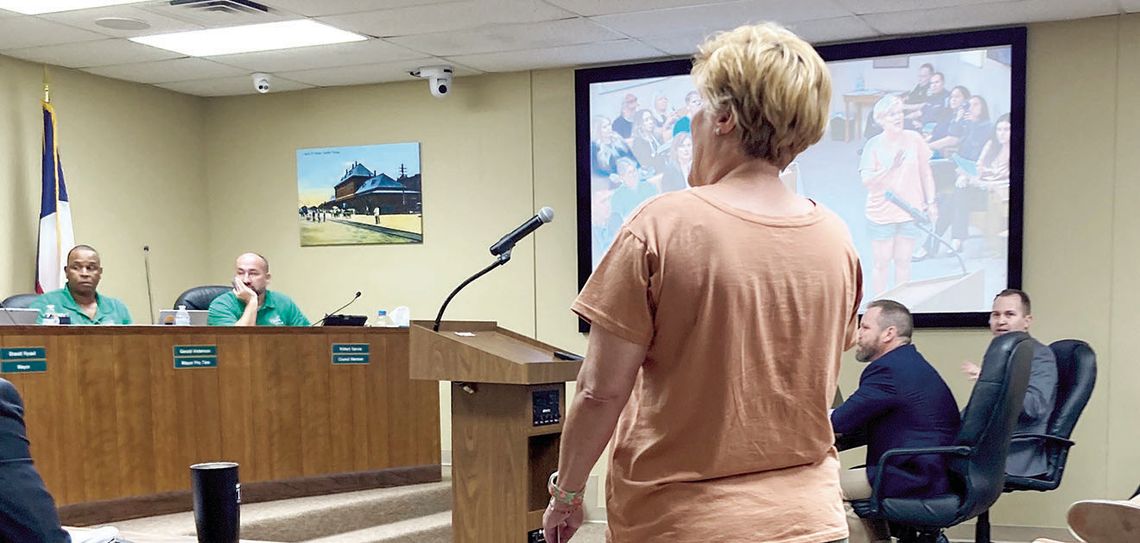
1076,377
199,298
20,301
977,457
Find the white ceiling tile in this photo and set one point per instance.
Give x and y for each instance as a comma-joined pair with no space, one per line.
320,56
861,7
814,31
26,31
706,19
230,86
833,30
1002,13
469,14
515,37
608,7
369,73
92,53
86,18
553,57
677,45
309,8
167,71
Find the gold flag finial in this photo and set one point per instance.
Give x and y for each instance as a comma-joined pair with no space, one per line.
47,87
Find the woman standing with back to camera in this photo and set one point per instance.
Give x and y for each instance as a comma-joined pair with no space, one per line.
719,315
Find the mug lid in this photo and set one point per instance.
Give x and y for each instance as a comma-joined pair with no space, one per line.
214,465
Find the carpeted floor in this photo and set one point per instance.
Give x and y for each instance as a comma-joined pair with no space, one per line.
410,514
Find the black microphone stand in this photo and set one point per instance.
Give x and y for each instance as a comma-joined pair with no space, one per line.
923,222
327,315
503,258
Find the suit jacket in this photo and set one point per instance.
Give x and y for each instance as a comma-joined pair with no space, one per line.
902,401
1027,458
27,511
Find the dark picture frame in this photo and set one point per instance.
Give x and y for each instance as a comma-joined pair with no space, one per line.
1014,38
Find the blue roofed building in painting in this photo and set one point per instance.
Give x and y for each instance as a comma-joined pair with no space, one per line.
364,191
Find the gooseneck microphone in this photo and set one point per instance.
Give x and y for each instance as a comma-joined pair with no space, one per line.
149,291
508,241
502,250
918,216
334,312
923,222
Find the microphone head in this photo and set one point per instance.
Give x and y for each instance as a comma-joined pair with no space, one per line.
357,294
545,215
146,247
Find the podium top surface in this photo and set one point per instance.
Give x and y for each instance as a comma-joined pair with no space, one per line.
482,352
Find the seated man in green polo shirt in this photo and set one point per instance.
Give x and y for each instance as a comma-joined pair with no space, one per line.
250,303
78,299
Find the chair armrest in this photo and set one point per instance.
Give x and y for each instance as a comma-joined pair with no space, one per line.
1042,437
851,440
951,450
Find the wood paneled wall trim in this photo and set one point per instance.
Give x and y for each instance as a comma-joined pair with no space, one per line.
111,418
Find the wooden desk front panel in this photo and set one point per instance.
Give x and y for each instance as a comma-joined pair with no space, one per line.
111,418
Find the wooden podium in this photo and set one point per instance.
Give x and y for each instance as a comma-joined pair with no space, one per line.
508,400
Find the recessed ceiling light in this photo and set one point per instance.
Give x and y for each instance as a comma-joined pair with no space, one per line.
122,23
249,38
36,7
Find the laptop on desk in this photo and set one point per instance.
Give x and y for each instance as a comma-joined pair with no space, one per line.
18,316
197,316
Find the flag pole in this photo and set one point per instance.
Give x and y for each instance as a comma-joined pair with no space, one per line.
47,86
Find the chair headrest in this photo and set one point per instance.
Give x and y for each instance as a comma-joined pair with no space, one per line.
20,301
1000,375
1076,378
199,298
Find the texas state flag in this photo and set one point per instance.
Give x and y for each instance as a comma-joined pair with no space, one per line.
56,235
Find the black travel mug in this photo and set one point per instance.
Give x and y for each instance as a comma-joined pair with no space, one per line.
217,501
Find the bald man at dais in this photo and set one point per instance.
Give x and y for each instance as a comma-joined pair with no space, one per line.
251,303
79,298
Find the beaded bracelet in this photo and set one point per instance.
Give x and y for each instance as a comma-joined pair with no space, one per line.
564,497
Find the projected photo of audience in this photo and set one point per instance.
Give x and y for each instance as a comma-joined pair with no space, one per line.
655,158
606,147
912,160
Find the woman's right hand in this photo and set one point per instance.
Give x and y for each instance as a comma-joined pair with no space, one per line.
900,157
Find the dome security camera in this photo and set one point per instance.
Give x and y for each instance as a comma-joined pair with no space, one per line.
439,79
261,82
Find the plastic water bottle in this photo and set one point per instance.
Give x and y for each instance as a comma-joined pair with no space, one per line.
49,316
859,83
182,317
382,319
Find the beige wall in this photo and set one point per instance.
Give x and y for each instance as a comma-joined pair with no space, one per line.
475,149
133,162
503,145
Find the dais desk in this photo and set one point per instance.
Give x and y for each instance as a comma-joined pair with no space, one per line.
114,425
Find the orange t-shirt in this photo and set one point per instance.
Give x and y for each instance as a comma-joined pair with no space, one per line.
905,181
726,436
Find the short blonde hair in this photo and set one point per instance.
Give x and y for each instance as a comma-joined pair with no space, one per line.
883,106
774,83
